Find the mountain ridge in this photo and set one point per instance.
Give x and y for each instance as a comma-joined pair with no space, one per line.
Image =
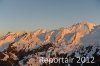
81,39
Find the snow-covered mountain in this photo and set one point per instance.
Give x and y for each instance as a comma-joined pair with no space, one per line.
24,48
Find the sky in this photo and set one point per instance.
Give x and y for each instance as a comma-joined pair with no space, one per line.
27,15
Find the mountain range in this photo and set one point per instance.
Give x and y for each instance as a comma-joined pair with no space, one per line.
80,40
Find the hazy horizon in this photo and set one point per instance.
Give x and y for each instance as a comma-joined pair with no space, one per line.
18,15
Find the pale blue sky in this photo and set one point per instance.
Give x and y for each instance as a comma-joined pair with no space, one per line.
27,15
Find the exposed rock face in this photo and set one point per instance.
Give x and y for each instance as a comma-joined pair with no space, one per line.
24,49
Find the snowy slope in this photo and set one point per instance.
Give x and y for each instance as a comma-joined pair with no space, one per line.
24,48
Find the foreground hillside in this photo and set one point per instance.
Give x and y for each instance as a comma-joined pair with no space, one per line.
79,41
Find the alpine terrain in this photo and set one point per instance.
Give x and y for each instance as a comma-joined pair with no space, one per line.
80,41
